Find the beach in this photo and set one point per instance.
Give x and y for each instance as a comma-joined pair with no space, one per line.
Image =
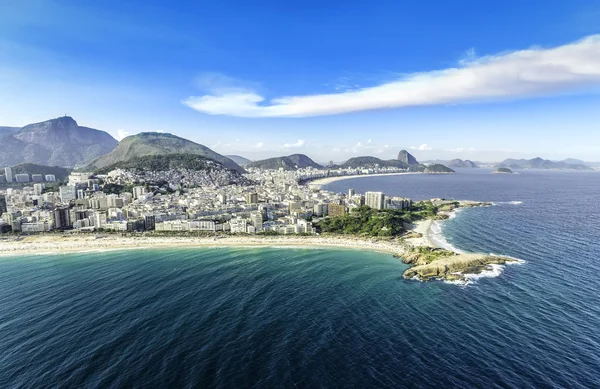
317,184
72,243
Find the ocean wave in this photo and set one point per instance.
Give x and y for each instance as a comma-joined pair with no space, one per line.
437,236
516,202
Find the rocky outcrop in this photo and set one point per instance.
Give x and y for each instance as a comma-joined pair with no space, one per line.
407,158
452,267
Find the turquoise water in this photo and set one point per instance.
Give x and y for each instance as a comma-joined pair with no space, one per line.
283,317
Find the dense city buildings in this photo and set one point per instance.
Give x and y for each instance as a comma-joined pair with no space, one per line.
269,201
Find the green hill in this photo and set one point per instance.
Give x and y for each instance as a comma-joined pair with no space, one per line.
155,143
369,162
166,162
60,173
290,162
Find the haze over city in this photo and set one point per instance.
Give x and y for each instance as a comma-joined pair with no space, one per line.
332,80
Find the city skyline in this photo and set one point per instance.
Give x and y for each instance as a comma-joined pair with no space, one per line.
309,78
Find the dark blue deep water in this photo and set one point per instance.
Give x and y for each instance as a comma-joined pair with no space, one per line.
308,318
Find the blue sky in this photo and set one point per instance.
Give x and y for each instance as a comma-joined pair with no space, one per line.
333,79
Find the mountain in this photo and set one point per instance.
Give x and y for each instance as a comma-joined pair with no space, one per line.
60,173
539,163
239,160
370,162
290,162
157,143
437,168
60,142
185,169
407,158
7,130
454,163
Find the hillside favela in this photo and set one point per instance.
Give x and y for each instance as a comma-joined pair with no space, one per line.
299,194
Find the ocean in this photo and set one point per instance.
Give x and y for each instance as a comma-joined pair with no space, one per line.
308,318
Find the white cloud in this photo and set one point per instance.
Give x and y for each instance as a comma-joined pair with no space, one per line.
423,147
259,145
122,134
509,75
298,143
457,150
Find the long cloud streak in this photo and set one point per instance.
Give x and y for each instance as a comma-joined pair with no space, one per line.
524,73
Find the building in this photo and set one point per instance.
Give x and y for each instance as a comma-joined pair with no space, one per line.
238,225
62,218
138,192
79,178
2,178
8,174
320,209
37,178
336,210
3,205
375,200
252,198
351,193
257,221
22,177
150,222
50,178
67,193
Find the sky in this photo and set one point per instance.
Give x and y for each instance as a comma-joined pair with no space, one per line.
480,80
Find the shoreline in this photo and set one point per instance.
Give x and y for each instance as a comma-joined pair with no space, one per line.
318,183
49,245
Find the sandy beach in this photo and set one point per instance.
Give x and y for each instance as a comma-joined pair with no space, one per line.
317,184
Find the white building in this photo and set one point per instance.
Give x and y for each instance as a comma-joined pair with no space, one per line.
50,178
79,178
22,177
67,193
238,225
375,200
257,220
8,174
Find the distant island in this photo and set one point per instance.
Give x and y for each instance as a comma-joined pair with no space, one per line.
540,163
503,170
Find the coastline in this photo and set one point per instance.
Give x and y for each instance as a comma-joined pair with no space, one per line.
318,183
57,244
426,259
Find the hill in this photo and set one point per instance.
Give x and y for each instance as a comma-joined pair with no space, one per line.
539,163
60,173
239,160
503,170
290,162
185,169
455,163
55,142
155,143
369,162
407,158
436,168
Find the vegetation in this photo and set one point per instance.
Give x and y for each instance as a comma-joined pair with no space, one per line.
366,221
291,162
31,168
428,254
165,163
366,162
503,170
158,144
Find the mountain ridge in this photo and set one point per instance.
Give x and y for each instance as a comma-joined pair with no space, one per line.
55,142
158,143
289,162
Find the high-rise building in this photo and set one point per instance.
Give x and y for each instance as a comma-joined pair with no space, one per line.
67,193
22,177
336,210
257,220
150,222
3,206
50,178
138,192
62,218
252,198
8,174
351,193
37,178
375,200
